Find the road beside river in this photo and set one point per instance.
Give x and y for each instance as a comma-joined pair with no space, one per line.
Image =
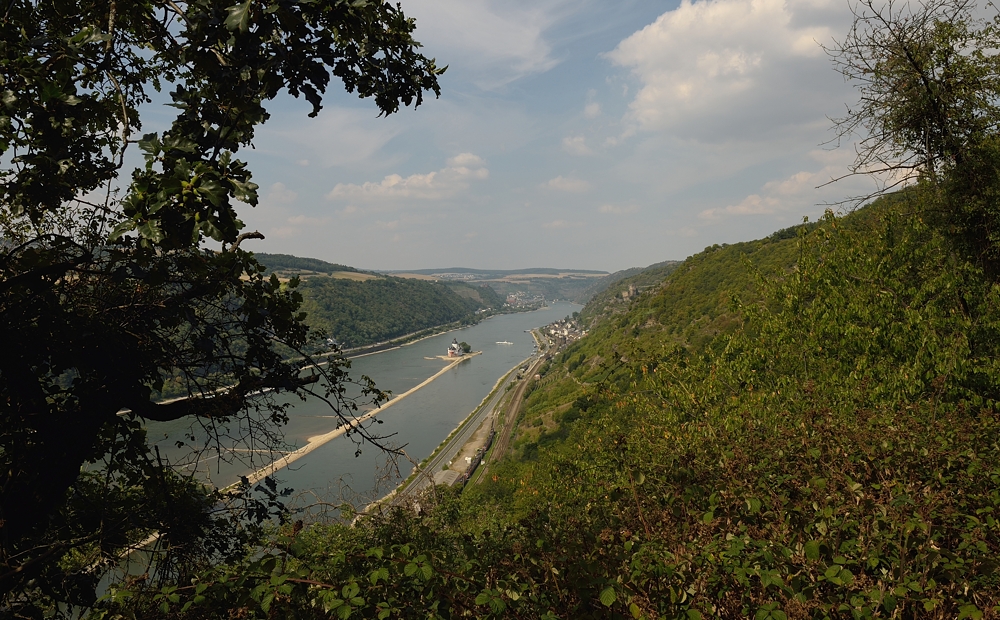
434,470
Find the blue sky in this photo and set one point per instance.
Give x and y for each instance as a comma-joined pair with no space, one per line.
573,134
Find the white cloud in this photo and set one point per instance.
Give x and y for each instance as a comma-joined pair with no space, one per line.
565,184
296,225
305,219
460,170
592,109
495,41
576,145
337,137
733,67
561,224
754,204
284,232
464,161
618,209
797,192
278,194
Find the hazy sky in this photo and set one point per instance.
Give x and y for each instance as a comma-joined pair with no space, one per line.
583,134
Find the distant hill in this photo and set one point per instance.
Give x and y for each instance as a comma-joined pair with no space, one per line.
279,263
361,308
360,313
656,271
498,273
533,284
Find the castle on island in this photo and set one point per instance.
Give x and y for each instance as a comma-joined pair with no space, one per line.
455,349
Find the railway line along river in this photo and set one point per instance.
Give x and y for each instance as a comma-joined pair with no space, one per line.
331,472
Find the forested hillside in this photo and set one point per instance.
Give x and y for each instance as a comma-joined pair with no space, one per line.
359,313
650,275
278,263
687,308
799,427
813,434
361,308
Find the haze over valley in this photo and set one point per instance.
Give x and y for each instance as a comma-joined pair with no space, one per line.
480,309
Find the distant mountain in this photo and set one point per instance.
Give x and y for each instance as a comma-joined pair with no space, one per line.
653,271
494,273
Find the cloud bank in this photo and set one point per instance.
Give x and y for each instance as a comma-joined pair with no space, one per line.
715,69
456,176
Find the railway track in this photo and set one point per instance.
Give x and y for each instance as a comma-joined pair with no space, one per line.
454,444
506,432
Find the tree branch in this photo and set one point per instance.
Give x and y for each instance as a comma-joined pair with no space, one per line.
250,235
223,405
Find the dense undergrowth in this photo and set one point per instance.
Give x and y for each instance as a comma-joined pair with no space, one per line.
796,428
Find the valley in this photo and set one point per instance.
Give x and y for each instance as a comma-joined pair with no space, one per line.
276,343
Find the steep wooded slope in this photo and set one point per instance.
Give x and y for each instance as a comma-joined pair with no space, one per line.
358,313
652,274
800,427
789,428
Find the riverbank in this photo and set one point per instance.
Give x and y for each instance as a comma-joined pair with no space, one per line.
415,337
314,442
335,472
465,441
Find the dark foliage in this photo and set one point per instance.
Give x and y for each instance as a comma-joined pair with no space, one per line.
104,293
287,262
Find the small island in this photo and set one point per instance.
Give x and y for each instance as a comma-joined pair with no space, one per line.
458,349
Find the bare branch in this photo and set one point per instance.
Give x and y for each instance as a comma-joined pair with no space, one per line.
249,235
222,405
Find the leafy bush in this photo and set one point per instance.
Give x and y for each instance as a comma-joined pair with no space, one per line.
835,456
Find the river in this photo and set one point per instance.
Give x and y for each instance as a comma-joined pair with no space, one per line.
419,422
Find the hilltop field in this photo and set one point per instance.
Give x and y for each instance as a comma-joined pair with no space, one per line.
525,286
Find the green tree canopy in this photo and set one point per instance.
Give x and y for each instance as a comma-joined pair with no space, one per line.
106,284
928,78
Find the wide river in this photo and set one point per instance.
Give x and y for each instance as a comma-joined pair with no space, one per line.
418,423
